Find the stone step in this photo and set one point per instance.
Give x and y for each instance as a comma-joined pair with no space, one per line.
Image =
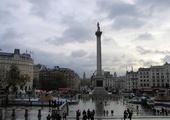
99,91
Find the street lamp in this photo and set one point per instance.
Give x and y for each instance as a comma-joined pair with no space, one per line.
29,94
58,100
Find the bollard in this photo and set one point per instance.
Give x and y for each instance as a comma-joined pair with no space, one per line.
39,113
1,114
26,113
13,112
53,114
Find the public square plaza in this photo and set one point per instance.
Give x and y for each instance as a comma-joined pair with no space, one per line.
116,103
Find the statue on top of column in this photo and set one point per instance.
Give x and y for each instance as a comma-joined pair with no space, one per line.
98,27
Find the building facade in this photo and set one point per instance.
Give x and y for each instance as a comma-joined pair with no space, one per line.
24,62
131,80
119,83
108,80
37,69
71,79
149,79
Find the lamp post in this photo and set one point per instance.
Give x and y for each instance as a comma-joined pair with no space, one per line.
58,106
58,100
29,94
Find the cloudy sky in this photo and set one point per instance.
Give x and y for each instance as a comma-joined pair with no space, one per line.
61,33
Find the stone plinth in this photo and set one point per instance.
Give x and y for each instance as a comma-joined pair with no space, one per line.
99,89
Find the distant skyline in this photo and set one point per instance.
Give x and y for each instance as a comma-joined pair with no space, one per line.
62,32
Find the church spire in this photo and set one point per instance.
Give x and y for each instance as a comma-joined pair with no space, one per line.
84,76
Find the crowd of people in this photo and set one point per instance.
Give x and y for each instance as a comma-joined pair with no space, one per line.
57,116
86,115
128,114
162,111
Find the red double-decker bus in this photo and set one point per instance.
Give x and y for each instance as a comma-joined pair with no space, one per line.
64,90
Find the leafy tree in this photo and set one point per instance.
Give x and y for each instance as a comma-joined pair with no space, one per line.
60,80
24,78
34,83
14,78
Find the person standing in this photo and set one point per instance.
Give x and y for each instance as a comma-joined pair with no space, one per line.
107,112
88,114
112,112
84,116
58,116
104,112
125,114
48,117
84,112
130,114
64,115
92,114
77,114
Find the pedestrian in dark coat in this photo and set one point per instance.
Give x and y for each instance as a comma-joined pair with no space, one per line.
130,114
88,114
125,114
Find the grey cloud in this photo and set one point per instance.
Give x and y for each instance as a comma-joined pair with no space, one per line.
141,50
66,61
115,9
127,22
10,34
4,16
54,59
162,52
116,59
40,7
76,32
166,58
145,36
126,15
79,53
108,40
154,4
149,63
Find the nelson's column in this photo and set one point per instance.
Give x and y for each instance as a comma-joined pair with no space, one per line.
99,78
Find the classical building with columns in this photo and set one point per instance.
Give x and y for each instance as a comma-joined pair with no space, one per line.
24,62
